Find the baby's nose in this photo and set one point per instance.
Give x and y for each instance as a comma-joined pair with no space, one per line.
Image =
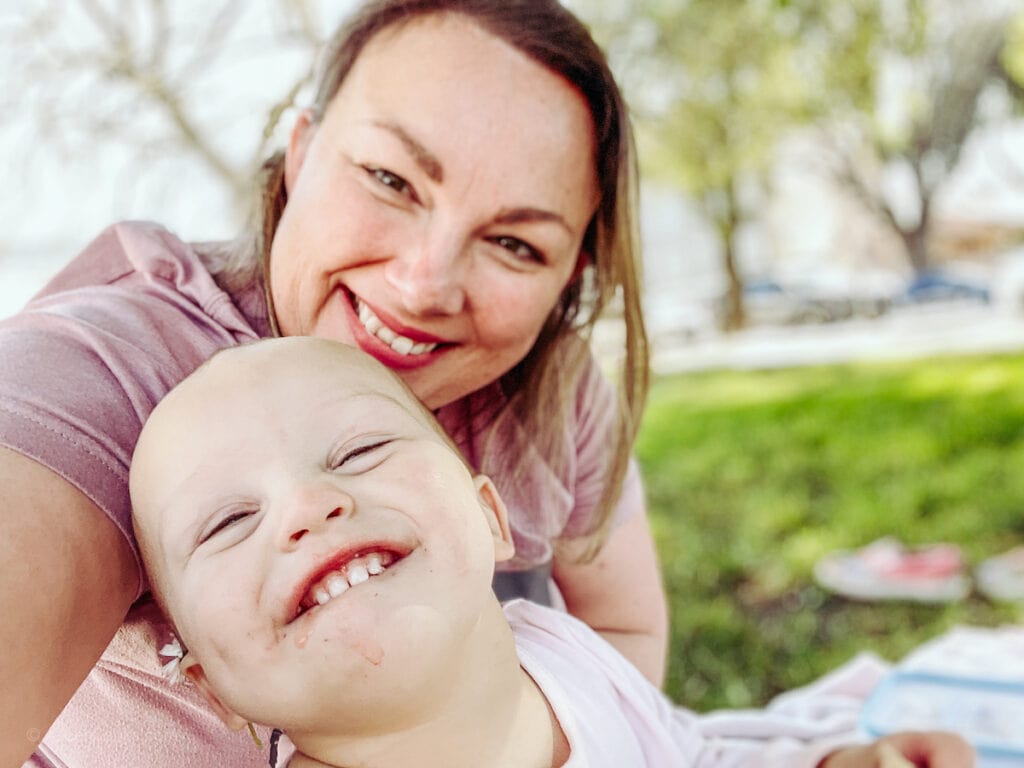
310,510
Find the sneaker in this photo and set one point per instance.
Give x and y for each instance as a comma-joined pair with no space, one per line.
1001,578
886,570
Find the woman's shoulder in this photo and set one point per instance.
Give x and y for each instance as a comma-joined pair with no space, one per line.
137,267
119,250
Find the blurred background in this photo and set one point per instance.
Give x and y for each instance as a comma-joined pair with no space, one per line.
833,220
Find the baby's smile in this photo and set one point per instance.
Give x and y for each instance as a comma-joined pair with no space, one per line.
345,573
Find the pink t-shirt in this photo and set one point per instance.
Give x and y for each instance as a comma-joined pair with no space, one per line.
82,366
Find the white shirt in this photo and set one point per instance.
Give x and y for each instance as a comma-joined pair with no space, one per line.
613,717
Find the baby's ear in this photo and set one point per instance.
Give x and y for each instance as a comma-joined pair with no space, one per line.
497,518
194,671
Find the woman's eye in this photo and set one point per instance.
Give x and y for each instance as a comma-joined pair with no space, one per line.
392,181
521,250
223,524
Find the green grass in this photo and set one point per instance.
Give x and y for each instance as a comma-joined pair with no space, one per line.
752,476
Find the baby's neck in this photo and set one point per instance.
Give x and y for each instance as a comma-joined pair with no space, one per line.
498,719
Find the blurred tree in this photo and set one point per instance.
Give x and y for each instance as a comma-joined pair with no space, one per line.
149,76
717,84
713,84
942,69
1012,60
893,87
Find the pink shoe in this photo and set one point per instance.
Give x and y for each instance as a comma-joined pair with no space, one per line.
1001,578
886,570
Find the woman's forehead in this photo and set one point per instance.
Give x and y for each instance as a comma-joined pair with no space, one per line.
408,58
497,121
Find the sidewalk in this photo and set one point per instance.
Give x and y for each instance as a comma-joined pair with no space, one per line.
904,333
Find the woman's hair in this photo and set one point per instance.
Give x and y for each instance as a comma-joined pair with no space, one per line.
538,387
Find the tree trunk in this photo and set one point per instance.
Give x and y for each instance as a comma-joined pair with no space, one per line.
915,240
734,317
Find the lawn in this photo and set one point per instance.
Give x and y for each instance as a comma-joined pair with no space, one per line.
752,476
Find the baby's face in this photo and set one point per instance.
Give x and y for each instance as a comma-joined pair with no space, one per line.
308,529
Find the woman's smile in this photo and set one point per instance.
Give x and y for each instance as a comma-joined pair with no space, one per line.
396,345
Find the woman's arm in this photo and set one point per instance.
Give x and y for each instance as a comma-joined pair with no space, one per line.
68,579
620,595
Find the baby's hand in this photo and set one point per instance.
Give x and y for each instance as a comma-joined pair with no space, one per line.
910,749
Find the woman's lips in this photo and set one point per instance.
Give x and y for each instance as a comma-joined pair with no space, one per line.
395,345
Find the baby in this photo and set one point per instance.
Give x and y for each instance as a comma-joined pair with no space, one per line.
325,556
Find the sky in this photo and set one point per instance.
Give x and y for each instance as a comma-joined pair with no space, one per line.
65,180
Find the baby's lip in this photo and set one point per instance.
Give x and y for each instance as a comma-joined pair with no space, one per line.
335,560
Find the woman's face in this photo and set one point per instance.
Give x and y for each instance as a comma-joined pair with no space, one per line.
436,213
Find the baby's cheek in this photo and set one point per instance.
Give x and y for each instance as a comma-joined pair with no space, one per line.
224,629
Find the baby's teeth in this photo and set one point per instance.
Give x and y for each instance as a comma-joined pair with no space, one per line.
385,334
418,349
336,584
402,345
357,574
339,583
373,324
373,565
364,312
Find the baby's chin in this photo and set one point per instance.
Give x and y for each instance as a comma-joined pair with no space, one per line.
363,676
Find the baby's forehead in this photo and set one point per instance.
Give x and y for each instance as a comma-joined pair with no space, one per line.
280,386
287,368
254,392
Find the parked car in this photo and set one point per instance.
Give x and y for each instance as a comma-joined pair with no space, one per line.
767,302
939,285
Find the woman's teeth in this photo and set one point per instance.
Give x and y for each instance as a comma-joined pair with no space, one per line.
358,570
400,344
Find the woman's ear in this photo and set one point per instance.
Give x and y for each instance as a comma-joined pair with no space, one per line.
497,518
193,670
295,155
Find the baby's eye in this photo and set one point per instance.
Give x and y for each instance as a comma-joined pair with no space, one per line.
224,524
352,456
392,181
520,249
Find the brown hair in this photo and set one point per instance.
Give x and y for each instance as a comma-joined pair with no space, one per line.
538,387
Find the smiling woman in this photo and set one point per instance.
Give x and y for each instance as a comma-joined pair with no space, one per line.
458,203
423,227
474,226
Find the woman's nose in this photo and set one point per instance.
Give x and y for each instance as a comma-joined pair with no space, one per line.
429,278
309,510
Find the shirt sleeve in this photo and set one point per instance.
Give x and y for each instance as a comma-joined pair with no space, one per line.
82,366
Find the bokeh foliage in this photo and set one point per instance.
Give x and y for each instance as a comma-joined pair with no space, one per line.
885,89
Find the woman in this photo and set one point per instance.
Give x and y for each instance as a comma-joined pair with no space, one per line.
456,203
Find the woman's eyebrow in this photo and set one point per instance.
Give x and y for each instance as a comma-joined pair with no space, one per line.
424,158
529,216
431,166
